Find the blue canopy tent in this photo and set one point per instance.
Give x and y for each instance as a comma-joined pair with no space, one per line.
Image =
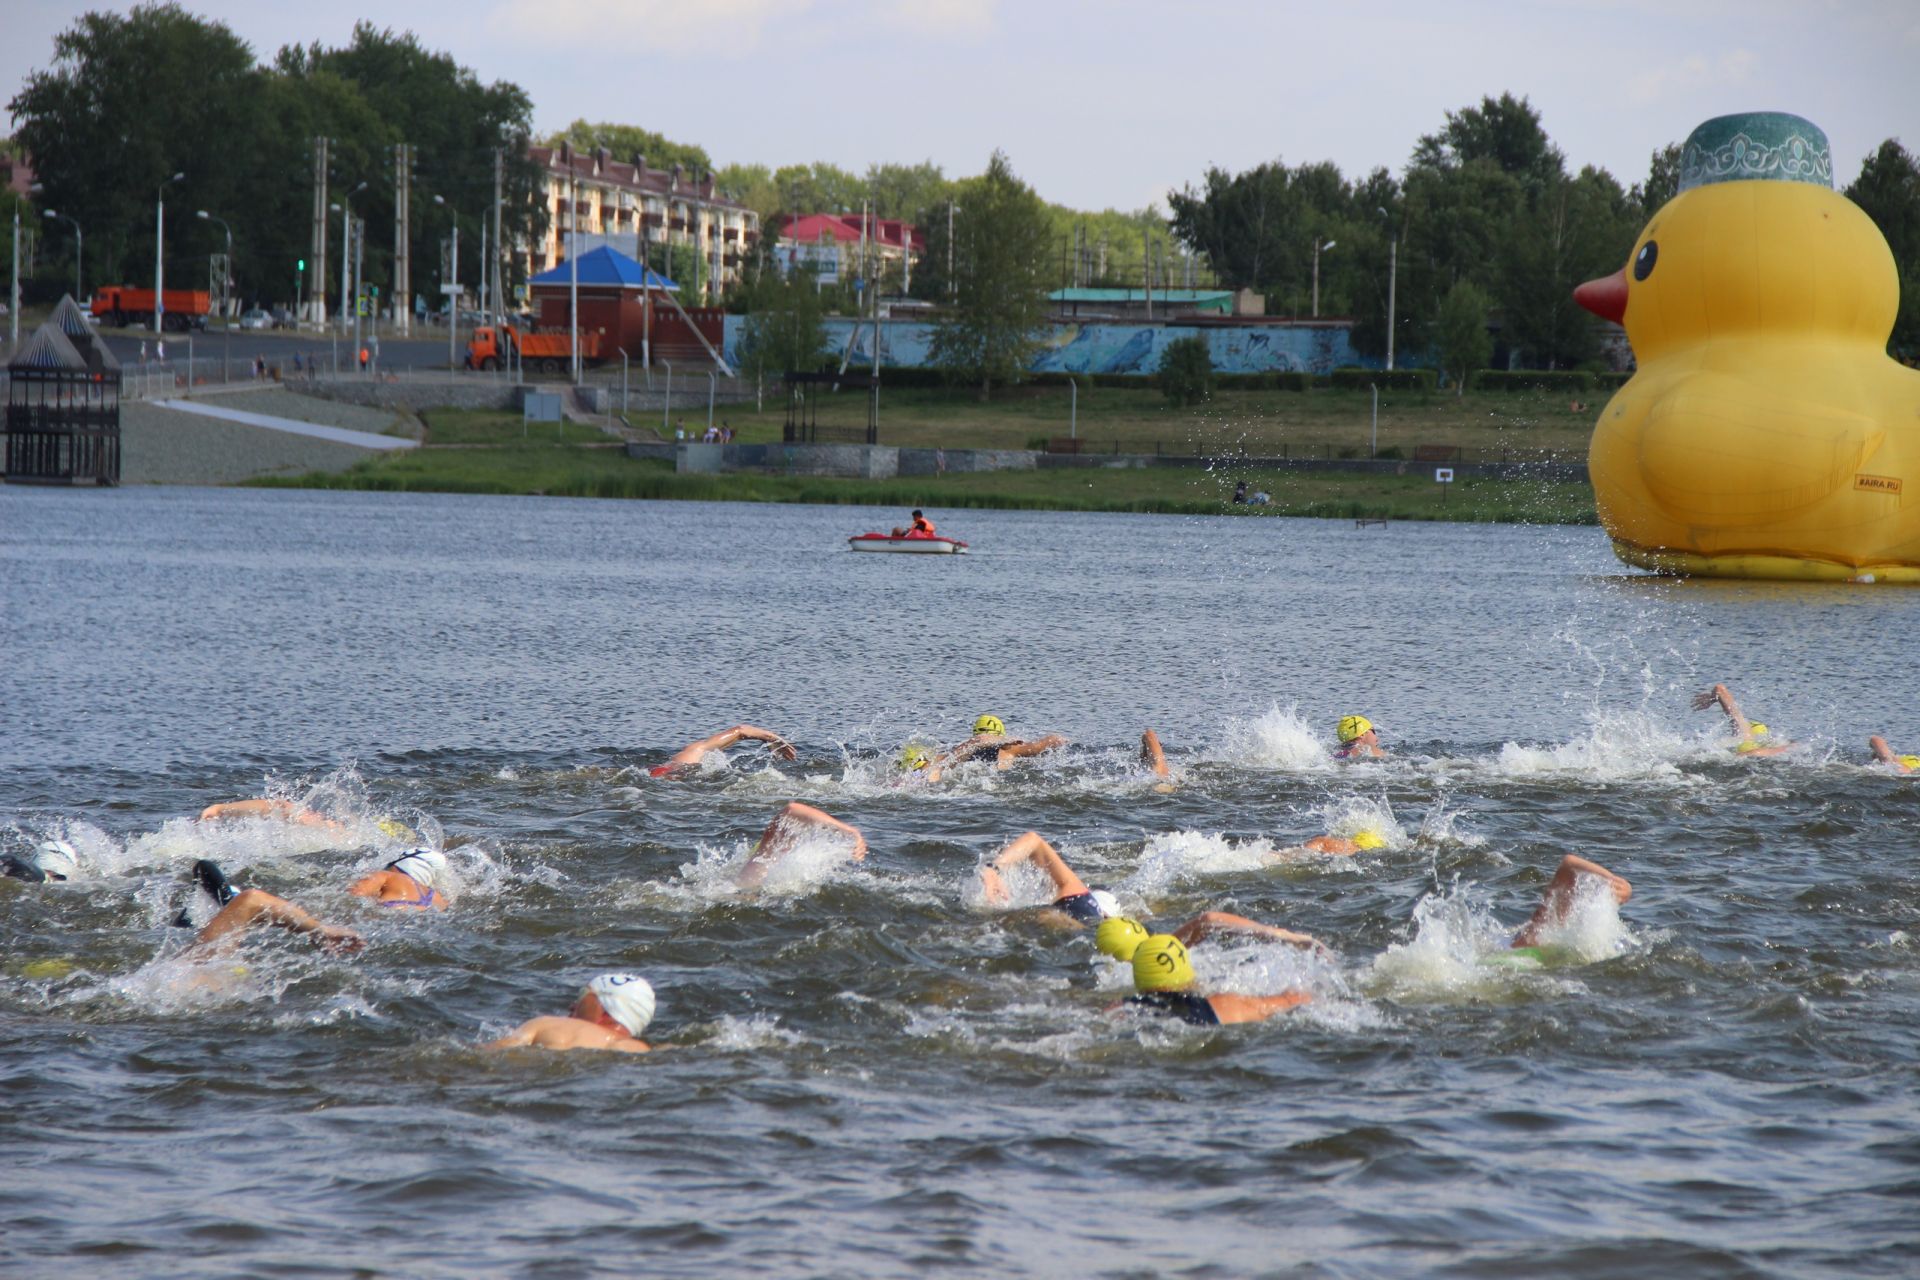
606,268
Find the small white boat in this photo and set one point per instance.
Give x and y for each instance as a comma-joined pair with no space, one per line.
910,546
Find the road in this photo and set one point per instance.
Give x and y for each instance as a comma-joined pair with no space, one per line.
279,346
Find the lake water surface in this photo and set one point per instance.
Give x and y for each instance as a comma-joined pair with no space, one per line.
875,1074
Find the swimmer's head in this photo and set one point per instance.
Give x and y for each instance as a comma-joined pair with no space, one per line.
1756,730
1160,964
1352,727
394,829
626,998
1909,762
1369,839
1108,904
989,724
57,860
425,867
913,757
1120,937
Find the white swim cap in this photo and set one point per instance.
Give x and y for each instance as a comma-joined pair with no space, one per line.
1108,904
58,860
627,999
425,867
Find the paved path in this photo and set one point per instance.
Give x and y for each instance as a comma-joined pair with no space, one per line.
339,435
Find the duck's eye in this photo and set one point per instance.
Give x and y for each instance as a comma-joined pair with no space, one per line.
1644,260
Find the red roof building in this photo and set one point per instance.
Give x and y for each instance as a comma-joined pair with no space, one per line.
888,235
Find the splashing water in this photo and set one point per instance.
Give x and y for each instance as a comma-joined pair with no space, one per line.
1277,738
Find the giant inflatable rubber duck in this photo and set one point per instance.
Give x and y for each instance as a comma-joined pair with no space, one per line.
1766,433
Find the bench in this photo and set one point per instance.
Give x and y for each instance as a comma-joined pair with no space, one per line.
1436,453
1063,444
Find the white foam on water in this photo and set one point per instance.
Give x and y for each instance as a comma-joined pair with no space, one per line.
731,1033
812,859
1278,738
1173,857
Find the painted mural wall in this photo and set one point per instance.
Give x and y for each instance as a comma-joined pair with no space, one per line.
1105,348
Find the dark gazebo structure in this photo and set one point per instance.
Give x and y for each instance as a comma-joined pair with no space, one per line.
63,405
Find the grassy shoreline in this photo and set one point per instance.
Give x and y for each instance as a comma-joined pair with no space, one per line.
476,452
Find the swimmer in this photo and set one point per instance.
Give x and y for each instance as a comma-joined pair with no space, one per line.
1163,977
54,860
682,762
1364,840
1120,937
1755,739
1358,740
785,831
1557,901
415,881
990,734
610,1014
1885,755
1074,906
284,810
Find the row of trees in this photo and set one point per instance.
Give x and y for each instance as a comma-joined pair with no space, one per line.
130,100
1487,201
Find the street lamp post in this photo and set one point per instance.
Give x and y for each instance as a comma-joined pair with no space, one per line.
1318,245
79,254
226,342
160,253
1393,282
453,279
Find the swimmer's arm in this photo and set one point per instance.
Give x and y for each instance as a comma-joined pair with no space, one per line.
805,815
1882,751
1151,755
1032,848
1722,696
1020,750
971,747
247,809
1208,923
371,884
519,1038
1331,844
1232,1008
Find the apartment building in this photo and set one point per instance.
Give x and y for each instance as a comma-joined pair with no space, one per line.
633,208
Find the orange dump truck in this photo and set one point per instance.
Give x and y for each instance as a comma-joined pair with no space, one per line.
122,304
549,351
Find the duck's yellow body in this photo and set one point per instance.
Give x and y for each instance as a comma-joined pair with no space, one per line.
1767,433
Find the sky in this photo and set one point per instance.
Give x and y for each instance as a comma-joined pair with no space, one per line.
1112,103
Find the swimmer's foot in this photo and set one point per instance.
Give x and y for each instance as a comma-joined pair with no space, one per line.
208,876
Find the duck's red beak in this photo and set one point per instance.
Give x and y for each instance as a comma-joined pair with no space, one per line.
1605,297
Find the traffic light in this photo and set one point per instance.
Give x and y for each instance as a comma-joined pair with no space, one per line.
300,265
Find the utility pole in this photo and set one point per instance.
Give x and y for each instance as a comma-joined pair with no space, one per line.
320,231
953,289
1393,282
359,277
402,250
573,272
1146,267
13,315
498,291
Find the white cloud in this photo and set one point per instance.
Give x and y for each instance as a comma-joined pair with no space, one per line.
966,19
1733,68
720,28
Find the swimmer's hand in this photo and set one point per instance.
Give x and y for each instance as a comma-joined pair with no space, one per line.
783,749
338,941
1701,701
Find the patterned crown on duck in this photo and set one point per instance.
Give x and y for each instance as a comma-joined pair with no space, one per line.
1766,146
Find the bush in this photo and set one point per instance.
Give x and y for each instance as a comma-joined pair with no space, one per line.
1532,380
1186,371
1357,379
1391,452
1610,381
1272,380
1037,443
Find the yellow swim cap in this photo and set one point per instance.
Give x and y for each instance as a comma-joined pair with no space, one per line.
989,724
1369,839
1352,727
1910,762
1160,964
913,757
394,829
1756,730
1745,746
1119,937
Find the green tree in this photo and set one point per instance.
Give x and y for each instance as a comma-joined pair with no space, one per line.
783,331
626,141
1186,371
1505,132
1576,230
1000,264
1460,333
127,102
1663,181
1888,189
903,190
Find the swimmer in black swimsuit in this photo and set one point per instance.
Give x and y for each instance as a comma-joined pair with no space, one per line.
1163,978
1075,906
990,734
